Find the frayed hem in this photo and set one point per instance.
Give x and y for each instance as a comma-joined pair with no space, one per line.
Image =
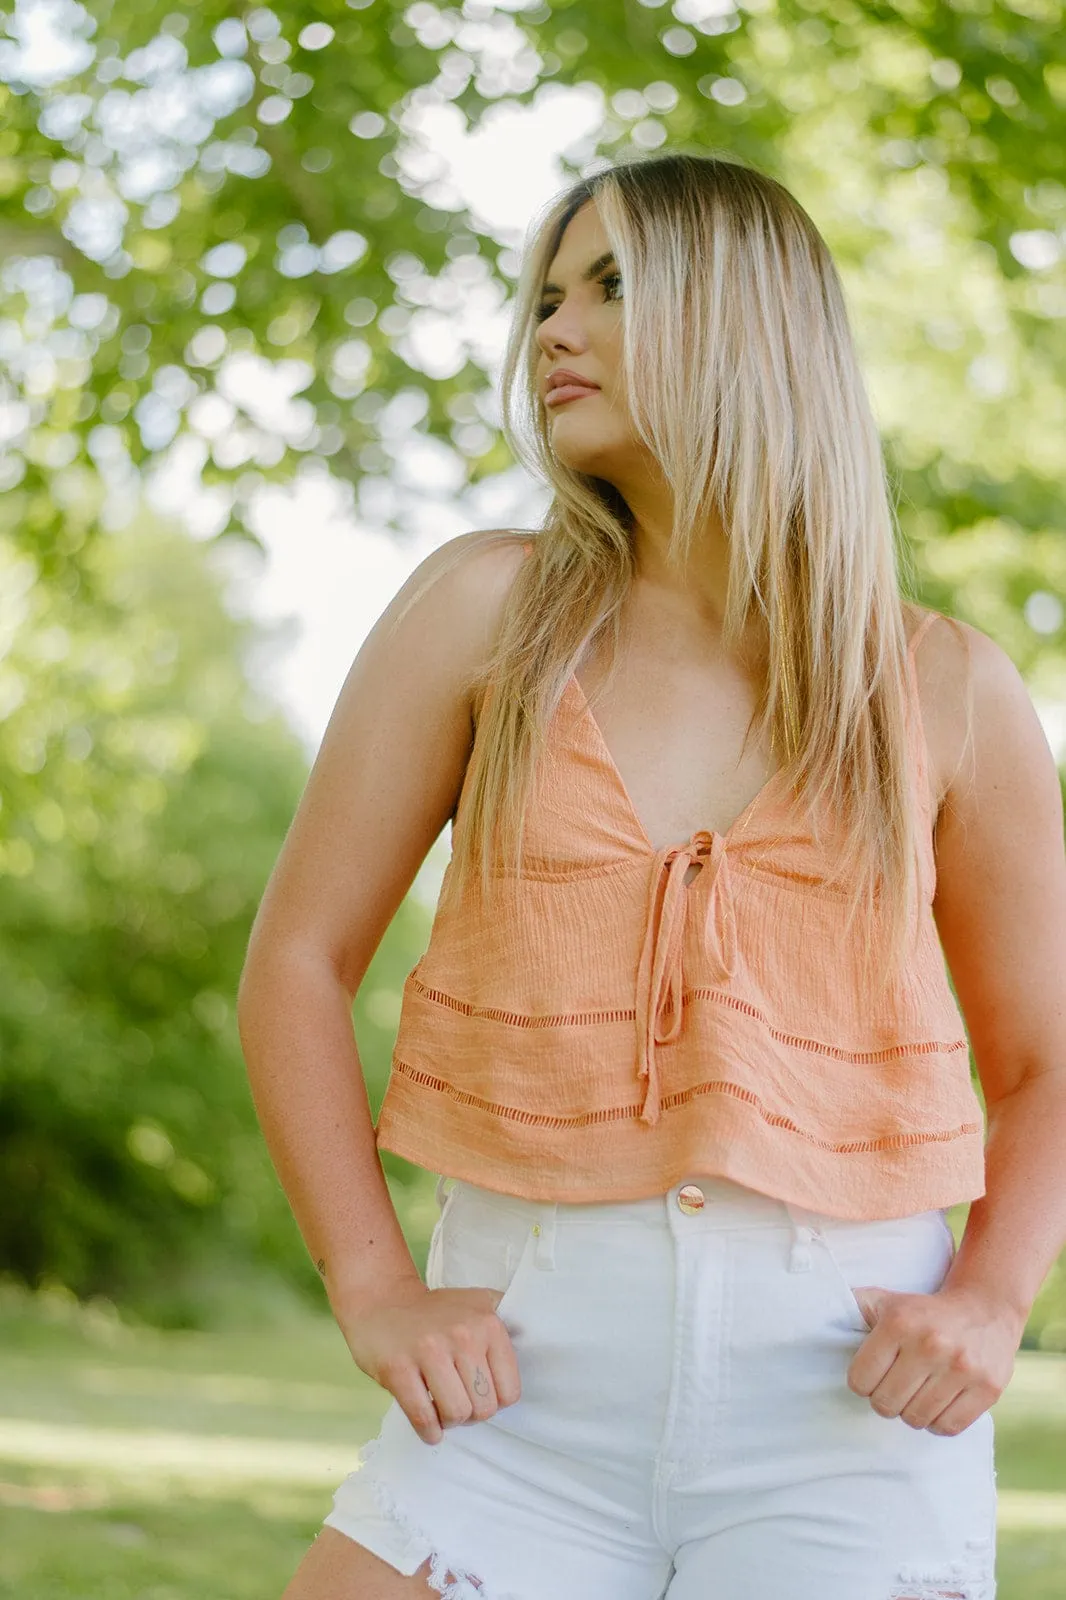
964,1580
445,1577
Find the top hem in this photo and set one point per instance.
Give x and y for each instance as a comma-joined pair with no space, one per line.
866,1190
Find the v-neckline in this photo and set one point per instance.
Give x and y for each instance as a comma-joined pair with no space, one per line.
727,835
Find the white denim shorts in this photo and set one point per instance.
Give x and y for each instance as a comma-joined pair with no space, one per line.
685,1429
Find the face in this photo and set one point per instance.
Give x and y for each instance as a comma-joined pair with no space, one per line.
580,329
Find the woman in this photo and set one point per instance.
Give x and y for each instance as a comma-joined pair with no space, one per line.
694,1322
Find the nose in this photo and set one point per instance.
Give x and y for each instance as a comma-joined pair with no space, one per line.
561,331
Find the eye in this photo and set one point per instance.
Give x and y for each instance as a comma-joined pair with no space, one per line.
612,279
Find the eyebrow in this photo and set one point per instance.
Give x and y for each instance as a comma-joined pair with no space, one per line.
606,260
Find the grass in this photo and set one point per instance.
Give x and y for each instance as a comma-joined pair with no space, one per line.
142,1465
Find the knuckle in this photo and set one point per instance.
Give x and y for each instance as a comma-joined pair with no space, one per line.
459,1412
935,1342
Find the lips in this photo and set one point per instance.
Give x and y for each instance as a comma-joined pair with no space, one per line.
566,376
563,384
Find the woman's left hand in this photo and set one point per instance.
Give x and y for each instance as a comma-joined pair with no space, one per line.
936,1360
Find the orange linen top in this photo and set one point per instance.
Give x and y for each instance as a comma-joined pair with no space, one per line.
599,1030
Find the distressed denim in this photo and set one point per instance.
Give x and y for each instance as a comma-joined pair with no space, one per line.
685,1429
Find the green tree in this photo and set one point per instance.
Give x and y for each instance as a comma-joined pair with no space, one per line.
145,791
230,189
204,209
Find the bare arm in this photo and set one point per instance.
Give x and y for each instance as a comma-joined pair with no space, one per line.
386,780
1001,913
940,1361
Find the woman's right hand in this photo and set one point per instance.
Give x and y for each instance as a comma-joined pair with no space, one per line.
443,1354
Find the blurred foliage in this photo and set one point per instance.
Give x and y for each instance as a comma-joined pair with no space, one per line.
145,793
194,199
230,251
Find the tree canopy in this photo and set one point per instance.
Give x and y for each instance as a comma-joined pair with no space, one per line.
192,197
230,241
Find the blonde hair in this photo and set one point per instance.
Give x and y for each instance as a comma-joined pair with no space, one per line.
751,398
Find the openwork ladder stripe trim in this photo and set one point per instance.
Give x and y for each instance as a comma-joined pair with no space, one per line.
669,1102
584,1019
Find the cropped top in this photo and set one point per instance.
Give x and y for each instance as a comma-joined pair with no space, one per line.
597,1029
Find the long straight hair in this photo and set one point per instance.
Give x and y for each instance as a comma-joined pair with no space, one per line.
751,399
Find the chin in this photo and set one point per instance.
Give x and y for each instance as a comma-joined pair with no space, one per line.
583,456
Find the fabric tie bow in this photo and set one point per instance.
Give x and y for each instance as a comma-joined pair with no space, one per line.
659,975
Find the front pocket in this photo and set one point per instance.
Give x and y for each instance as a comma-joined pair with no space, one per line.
909,1255
843,1291
434,1255
518,1275
476,1248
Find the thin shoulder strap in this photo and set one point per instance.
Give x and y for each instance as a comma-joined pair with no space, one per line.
914,710
527,546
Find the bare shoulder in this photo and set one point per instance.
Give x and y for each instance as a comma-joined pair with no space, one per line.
480,576
940,659
962,671
947,658
391,766
460,590
1000,900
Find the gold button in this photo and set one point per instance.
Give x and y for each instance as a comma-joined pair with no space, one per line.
690,1198
536,1228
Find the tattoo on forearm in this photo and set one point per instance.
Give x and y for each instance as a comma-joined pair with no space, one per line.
321,1265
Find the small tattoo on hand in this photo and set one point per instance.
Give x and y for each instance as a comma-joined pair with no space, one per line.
321,1265
481,1383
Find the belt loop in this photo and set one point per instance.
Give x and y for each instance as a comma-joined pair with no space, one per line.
804,1229
441,1181
544,1229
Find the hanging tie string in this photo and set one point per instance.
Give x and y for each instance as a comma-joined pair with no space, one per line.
659,975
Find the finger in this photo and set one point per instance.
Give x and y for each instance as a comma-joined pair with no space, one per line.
927,1402
963,1410
415,1401
454,1404
477,1377
900,1385
504,1365
873,1361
